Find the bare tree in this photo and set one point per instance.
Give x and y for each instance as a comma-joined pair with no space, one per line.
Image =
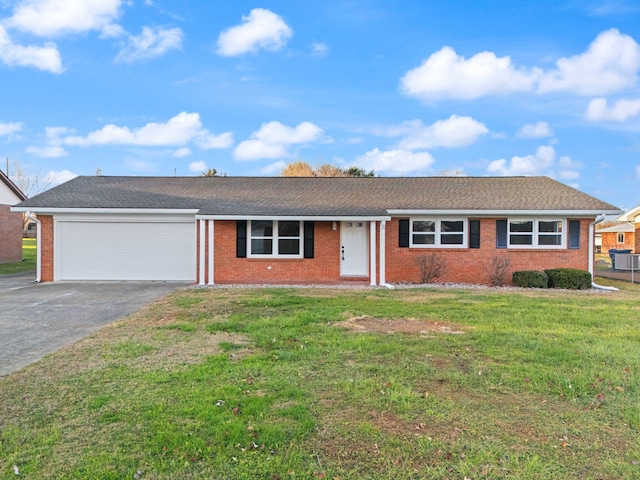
303,169
30,183
432,266
210,172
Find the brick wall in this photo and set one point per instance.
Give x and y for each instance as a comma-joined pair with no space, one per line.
637,239
467,265
10,235
323,268
610,240
46,244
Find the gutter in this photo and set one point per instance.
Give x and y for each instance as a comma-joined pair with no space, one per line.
592,225
30,216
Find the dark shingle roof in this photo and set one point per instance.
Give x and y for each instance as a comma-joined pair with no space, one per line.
320,196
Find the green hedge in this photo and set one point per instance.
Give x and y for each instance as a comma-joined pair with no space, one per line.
570,278
530,279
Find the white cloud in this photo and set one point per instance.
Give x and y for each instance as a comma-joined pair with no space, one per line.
53,147
535,130
260,29
535,164
48,151
273,169
151,43
198,167
610,64
273,138
256,149
209,141
177,132
445,74
543,162
395,161
9,129
45,57
455,131
50,18
319,49
182,152
621,110
54,178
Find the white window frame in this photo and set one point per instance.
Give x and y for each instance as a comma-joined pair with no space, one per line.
438,233
536,234
275,240
620,237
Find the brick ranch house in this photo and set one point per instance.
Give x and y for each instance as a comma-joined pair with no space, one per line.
269,230
10,222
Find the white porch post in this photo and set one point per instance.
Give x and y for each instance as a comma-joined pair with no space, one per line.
372,252
383,255
211,280
201,244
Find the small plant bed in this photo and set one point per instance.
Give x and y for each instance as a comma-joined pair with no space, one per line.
284,383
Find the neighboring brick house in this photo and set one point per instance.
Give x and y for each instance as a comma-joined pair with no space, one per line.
10,222
633,217
618,237
268,230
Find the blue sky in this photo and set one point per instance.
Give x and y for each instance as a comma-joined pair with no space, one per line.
404,87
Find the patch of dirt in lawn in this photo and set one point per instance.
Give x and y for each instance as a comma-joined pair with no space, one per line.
365,324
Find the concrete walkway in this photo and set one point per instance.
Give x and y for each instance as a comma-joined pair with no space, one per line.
38,319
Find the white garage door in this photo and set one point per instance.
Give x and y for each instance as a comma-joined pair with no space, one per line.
125,250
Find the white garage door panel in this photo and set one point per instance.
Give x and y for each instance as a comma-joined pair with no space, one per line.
125,251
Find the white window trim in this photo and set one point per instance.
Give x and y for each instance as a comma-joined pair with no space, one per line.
438,232
536,234
620,235
275,239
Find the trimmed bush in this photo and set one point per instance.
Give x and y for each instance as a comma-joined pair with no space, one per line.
570,278
530,279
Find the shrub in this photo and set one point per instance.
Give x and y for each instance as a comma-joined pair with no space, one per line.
432,266
530,279
570,278
497,269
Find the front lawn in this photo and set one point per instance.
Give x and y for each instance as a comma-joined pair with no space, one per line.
28,262
338,384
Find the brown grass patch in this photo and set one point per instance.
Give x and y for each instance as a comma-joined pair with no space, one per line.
409,326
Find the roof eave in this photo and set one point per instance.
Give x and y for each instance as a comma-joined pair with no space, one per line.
117,211
502,213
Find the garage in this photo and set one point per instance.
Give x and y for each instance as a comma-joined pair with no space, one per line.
125,248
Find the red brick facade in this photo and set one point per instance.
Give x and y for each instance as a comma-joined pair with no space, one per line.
463,265
46,244
10,235
472,265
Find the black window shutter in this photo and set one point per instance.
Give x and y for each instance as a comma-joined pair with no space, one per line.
474,233
404,233
241,239
501,234
574,233
308,239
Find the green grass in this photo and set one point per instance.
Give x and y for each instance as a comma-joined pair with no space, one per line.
28,262
267,383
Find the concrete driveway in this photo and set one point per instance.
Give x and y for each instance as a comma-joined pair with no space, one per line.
37,319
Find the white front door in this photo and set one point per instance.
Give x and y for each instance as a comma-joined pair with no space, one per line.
354,258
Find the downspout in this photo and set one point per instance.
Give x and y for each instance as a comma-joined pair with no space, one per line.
591,253
30,216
